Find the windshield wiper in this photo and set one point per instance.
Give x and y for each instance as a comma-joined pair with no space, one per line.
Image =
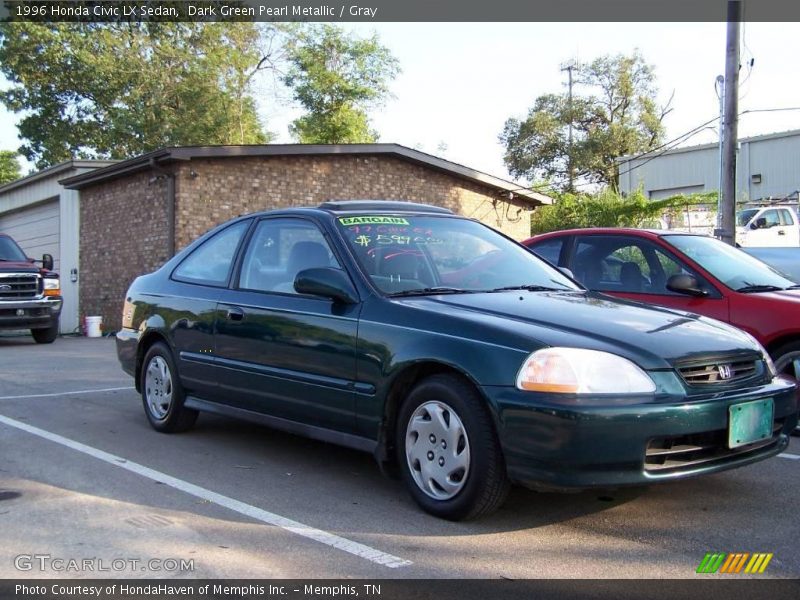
793,287
429,291
530,288
759,288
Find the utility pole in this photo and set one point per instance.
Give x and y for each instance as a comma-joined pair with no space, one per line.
568,67
721,92
727,227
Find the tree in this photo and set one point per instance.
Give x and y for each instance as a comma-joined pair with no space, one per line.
337,78
114,90
616,115
608,208
9,166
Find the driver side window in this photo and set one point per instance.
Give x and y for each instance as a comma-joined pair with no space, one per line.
279,250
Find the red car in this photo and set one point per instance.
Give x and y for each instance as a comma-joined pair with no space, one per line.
695,273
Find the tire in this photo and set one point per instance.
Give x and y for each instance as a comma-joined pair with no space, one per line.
785,357
45,336
162,394
465,481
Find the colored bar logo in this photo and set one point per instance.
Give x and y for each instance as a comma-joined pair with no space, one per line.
736,562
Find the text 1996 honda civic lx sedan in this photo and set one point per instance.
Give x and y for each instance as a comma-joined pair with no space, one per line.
447,350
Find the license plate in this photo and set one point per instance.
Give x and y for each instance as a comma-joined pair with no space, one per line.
750,422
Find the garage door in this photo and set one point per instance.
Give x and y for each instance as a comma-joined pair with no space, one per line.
36,229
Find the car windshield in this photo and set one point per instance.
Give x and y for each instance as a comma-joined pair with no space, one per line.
10,251
417,255
743,217
731,266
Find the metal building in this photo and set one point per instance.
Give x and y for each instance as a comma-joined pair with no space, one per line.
767,168
43,217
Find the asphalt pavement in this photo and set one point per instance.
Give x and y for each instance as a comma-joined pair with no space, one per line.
88,489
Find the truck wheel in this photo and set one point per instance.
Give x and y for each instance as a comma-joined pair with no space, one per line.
45,336
787,362
162,394
448,451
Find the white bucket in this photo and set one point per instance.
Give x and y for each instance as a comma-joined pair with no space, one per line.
93,327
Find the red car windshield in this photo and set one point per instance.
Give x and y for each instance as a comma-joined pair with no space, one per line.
736,269
409,255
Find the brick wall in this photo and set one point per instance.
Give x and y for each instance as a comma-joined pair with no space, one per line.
124,233
124,221
224,188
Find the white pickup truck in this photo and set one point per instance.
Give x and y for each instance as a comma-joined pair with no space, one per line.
767,226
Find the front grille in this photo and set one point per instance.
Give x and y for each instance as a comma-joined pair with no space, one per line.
19,286
681,453
719,372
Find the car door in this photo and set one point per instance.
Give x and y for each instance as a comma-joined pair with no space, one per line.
282,353
189,307
638,269
767,228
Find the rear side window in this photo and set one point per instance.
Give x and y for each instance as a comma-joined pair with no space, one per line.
786,217
550,250
210,263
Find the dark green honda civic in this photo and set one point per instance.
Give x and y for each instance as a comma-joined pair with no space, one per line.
454,355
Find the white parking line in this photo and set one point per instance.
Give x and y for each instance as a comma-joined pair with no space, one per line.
25,397
330,539
789,456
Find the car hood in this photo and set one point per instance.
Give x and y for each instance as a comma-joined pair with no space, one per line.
16,266
652,337
788,296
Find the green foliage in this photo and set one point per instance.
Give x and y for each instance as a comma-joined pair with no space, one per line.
114,90
608,208
9,166
613,112
337,78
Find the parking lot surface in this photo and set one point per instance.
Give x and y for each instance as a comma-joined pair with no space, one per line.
84,478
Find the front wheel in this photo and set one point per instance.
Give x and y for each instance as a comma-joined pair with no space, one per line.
787,363
45,336
162,394
448,450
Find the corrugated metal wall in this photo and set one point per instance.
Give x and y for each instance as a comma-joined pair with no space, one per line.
774,160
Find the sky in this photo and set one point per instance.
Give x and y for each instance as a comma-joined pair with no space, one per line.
461,81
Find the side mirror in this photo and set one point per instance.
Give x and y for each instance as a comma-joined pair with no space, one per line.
47,262
326,282
567,272
685,284
760,223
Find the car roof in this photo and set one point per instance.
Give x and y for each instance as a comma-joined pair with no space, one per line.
645,233
381,206
356,207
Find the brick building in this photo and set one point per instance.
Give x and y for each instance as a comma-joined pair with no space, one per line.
136,213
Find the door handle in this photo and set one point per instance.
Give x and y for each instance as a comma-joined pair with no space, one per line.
235,314
781,232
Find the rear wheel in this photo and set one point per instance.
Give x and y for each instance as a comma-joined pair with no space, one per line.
787,362
162,394
448,450
45,336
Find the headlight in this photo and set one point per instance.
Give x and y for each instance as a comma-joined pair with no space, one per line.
581,371
52,287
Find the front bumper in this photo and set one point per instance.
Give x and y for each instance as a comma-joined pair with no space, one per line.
553,446
39,313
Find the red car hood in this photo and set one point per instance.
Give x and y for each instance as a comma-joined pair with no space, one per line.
17,266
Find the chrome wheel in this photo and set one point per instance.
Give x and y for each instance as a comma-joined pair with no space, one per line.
437,450
158,387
